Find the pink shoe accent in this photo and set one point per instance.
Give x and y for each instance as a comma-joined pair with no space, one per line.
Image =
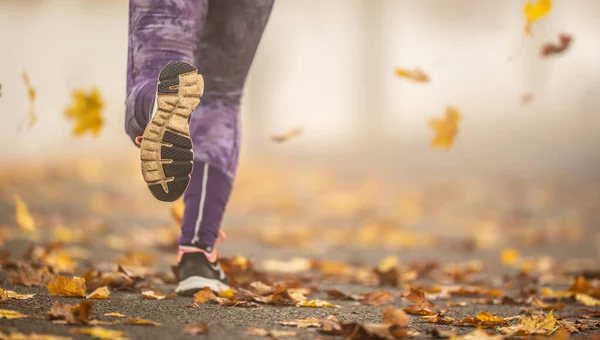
212,256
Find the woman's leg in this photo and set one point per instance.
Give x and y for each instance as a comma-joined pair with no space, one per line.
226,48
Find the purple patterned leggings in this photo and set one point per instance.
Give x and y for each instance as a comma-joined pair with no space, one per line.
220,38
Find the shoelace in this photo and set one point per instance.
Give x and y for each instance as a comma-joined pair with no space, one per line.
212,256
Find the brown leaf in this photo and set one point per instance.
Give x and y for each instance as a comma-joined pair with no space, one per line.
205,295
272,333
440,333
302,323
142,322
377,298
28,276
262,289
438,318
196,328
483,320
581,285
394,316
99,293
80,314
550,49
280,138
536,303
336,294
65,286
6,294
421,309
415,296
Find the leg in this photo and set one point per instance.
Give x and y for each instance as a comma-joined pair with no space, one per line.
227,46
160,31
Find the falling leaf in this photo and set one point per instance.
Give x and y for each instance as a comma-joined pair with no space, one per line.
99,293
73,315
154,294
536,324
509,256
550,49
101,333
142,322
11,314
377,298
394,316
64,286
483,320
115,315
286,136
196,328
23,217
204,295
416,75
587,300
6,294
445,128
86,110
535,12
272,333
31,94
318,304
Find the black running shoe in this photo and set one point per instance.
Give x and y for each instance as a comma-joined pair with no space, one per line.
197,272
166,147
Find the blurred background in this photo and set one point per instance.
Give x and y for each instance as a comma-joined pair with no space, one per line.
364,160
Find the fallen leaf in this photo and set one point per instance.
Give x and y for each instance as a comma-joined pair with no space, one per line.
415,296
99,293
483,320
550,49
440,333
64,286
536,324
535,12
261,288
394,316
115,315
377,298
271,333
587,300
445,128
438,318
509,256
227,293
86,110
101,333
581,285
154,294
302,323
31,94
536,303
31,336
286,136
23,217
73,315
11,314
6,294
318,304
102,323
478,335
416,75
421,309
591,313
196,328
204,295
142,322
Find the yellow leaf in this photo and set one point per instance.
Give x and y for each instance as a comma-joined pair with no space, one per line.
286,136
535,12
177,211
6,294
416,75
99,293
587,300
64,286
31,95
86,110
445,128
31,336
142,322
227,293
101,333
115,315
318,303
24,218
536,324
204,295
11,314
388,263
509,256
154,294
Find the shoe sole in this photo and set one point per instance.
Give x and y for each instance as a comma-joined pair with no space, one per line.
166,150
194,284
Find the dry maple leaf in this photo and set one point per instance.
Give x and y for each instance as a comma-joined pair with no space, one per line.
286,136
483,320
445,128
318,304
142,322
99,293
535,12
587,300
101,333
22,215
536,324
196,328
377,298
86,110
73,315
11,314
204,295
550,49
31,94
416,75
154,294
115,315
6,294
65,286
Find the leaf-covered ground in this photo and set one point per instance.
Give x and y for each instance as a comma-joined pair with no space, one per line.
346,254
